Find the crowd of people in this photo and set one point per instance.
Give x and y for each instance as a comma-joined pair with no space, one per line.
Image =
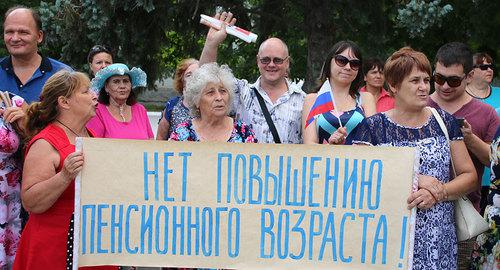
47,105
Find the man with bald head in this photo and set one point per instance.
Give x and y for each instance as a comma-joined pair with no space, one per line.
25,71
281,100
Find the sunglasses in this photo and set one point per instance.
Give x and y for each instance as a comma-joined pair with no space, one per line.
276,60
99,48
453,81
484,66
341,61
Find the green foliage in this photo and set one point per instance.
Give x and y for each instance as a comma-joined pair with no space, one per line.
154,35
377,28
417,16
4,6
134,29
157,34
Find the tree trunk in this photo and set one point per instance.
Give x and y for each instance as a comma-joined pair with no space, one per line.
320,32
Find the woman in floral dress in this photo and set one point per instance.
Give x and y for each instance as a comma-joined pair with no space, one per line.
175,111
10,175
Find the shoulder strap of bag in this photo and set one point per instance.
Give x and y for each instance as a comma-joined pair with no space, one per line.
440,121
469,222
267,115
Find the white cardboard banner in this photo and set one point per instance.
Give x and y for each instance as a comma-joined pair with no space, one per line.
243,206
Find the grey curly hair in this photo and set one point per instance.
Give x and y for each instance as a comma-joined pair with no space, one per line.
208,73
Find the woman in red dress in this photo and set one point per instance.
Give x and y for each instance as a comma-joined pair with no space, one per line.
50,167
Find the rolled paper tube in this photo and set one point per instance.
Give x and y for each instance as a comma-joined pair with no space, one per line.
230,29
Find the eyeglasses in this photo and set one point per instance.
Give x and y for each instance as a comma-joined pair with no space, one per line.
341,61
453,81
276,60
484,66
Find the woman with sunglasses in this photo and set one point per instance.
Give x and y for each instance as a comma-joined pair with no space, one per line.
341,77
412,124
480,87
99,57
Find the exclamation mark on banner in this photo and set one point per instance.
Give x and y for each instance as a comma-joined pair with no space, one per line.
403,243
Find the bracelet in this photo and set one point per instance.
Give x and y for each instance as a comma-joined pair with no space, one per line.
445,198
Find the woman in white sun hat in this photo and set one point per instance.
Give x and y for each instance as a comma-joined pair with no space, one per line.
118,113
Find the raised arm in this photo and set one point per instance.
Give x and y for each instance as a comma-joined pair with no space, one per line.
215,37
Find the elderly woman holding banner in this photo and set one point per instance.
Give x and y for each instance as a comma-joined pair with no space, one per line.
208,94
412,124
51,164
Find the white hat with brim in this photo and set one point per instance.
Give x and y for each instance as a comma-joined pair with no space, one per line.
138,77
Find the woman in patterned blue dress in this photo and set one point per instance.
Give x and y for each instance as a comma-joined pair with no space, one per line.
412,124
176,110
341,76
209,93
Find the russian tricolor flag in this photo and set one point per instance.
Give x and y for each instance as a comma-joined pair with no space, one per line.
322,104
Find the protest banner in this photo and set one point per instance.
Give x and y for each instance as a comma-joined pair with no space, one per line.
243,206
